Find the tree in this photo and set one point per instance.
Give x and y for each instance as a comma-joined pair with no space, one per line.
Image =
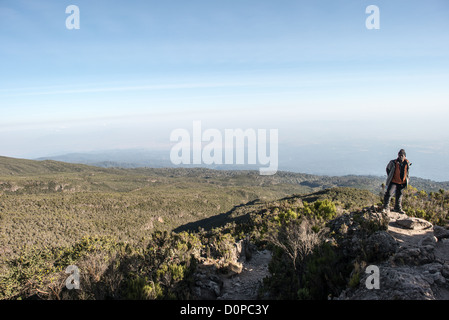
297,240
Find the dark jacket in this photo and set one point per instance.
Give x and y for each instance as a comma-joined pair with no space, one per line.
391,167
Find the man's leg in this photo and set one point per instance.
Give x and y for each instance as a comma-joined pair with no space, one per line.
388,194
398,202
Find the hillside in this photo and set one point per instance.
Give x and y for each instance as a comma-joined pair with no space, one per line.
245,255
147,233
42,200
48,203
24,167
11,167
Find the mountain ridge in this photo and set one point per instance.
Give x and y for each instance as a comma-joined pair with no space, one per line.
22,167
18,166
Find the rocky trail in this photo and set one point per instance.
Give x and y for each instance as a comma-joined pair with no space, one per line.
417,267
241,280
418,235
413,261
413,232
245,285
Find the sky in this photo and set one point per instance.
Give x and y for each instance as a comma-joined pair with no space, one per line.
344,98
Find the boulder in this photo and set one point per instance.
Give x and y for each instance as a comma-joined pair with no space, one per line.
414,256
379,246
428,240
396,283
414,223
440,232
362,235
208,285
243,250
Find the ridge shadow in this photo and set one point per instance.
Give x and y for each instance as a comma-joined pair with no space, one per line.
218,220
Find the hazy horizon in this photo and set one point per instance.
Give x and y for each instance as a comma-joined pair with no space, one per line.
309,164
344,98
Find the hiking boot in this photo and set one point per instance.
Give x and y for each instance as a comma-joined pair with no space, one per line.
385,210
399,210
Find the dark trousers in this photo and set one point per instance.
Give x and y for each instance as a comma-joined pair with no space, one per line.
396,190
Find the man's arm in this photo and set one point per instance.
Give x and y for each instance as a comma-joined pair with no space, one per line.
389,167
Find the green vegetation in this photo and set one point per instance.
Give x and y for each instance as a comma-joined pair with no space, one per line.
345,197
141,233
303,264
432,206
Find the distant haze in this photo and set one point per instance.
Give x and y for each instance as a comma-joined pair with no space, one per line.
331,160
344,98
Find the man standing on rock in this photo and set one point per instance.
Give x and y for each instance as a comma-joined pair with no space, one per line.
397,180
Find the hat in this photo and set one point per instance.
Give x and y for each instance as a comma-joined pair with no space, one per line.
402,152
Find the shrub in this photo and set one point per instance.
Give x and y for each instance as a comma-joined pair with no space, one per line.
142,289
324,209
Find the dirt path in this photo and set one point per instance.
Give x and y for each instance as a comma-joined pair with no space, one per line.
408,237
245,285
412,237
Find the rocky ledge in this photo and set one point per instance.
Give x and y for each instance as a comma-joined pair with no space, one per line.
411,254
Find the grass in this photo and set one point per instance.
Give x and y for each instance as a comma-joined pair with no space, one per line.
110,221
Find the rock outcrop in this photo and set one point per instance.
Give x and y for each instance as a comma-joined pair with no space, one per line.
238,278
411,254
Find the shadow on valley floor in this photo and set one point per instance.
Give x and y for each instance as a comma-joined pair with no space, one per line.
217,220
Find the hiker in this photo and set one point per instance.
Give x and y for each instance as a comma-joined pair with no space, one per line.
397,180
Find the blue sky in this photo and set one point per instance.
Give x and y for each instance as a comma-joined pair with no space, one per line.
136,70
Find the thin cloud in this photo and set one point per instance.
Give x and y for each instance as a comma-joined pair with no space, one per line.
37,91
